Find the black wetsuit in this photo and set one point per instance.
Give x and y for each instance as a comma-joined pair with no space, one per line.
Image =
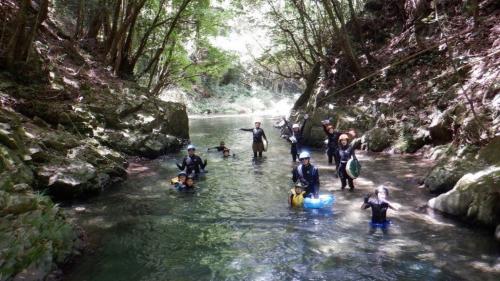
192,164
308,175
379,210
219,148
258,144
296,147
333,144
344,154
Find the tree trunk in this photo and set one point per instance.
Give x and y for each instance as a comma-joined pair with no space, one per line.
344,41
79,21
12,52
310,85
359,33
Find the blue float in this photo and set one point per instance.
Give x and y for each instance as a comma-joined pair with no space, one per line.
324,201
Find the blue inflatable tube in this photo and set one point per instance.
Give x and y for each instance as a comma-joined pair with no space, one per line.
324,201
385,224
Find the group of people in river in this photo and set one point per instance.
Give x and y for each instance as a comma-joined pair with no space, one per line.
305,175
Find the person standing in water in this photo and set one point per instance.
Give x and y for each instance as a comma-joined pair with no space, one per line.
258,136
192,163
379,206
345,152
297,137
307,174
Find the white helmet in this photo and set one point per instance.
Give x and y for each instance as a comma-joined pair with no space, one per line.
295,126
257,120
304,155
191,147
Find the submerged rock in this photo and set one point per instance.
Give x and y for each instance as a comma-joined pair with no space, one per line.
475,197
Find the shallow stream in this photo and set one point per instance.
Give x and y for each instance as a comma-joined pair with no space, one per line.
238,225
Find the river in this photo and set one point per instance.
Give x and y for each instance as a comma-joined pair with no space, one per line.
238,225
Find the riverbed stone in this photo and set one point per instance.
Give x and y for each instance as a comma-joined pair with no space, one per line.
475,197
446,174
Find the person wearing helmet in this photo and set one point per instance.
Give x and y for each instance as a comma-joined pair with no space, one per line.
345,152
307,174
258,135
180,180
219,148
189,186
332,142
379,206
192,163
296,197
296,138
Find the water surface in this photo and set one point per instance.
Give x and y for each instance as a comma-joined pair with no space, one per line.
239,227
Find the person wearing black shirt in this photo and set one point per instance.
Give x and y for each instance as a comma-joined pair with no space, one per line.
307,174
297,137
192,163
258,136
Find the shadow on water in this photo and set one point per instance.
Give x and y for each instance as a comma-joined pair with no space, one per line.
238,226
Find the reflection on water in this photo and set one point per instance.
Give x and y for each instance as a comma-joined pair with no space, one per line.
238,226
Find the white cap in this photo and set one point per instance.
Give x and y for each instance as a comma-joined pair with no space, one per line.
295,126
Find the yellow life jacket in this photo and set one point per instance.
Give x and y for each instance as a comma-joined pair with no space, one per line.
297,199
174,180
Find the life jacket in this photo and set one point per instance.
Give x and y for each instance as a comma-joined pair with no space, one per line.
297,199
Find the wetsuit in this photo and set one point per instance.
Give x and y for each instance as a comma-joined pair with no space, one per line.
333,140
219,148
296,146
192,164
309,175
258,144
186,189
379,210
345,153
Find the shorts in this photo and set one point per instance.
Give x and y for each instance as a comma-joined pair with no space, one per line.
258,146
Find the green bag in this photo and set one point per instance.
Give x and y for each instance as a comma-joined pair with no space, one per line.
353,168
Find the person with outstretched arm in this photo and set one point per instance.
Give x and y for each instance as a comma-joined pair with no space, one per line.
258,137
379,205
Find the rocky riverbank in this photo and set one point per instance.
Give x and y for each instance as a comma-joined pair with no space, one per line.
441,102
67,126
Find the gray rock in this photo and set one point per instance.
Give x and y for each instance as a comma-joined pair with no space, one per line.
475,197
68,179
446,174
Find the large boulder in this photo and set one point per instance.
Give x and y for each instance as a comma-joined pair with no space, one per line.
68,178
441,127
475,197
446,174
377,139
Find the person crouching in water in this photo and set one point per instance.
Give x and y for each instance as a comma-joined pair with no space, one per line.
189,186
227,153
307,174
192,162
345,152
297,137
258,135
180,181
296,198
221,147
379,205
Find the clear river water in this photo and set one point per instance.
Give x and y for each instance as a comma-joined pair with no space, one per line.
238,225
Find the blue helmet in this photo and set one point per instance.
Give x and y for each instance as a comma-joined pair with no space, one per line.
191,147
304,155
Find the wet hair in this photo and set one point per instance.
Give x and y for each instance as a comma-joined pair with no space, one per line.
382,188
